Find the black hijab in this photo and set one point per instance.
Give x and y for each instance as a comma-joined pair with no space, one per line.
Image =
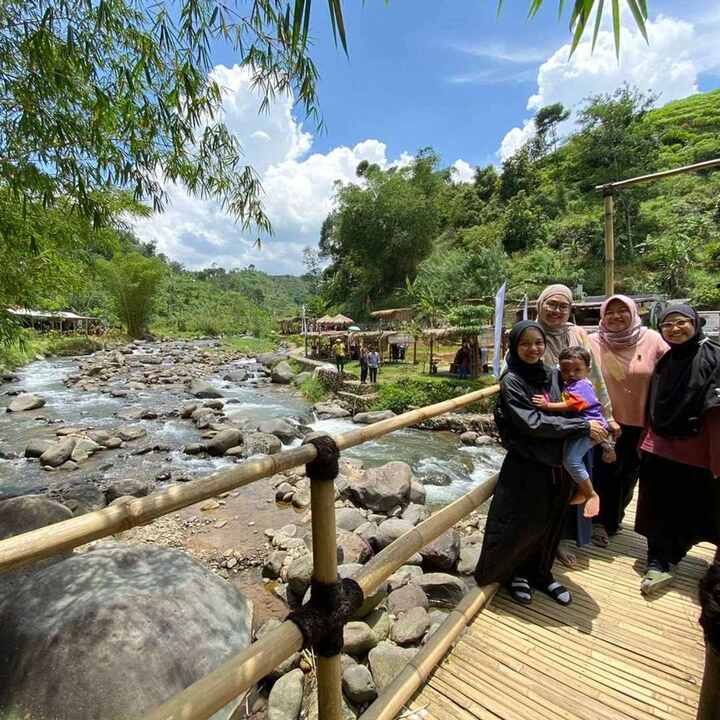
686,381
535,374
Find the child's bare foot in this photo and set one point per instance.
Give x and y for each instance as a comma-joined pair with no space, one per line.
592,506
567,558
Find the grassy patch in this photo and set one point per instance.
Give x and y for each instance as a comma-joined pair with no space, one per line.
29,344
313,390
251,346
400,394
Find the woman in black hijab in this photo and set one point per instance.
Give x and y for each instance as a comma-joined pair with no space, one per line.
679,501
533,491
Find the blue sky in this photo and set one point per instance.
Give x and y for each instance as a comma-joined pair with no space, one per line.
445,73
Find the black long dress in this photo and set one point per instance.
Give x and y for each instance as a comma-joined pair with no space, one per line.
533,491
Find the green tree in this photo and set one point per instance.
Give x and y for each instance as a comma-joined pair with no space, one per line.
546,129
132,281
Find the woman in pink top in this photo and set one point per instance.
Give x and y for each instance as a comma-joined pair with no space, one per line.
626,353
679,503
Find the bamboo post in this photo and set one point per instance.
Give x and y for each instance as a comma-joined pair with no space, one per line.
414,351
329,669
609,243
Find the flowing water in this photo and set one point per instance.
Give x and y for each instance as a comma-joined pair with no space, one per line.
435,457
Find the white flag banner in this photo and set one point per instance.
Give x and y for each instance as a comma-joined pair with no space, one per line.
499,313
525,308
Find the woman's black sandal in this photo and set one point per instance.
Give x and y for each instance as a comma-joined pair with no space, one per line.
520,591
559,593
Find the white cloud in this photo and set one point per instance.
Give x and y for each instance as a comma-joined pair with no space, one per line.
502,53
464,172
298,189
669,65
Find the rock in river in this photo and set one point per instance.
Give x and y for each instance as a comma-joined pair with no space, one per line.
24,402
79,634
203,389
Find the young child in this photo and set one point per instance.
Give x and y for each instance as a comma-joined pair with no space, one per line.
579,396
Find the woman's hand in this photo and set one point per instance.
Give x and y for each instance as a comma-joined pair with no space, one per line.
615,429
539,401
598,433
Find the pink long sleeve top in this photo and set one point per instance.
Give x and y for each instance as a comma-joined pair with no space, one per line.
627,374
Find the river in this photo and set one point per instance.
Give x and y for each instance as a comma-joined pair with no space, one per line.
430,454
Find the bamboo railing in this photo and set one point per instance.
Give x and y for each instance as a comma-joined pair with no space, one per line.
236,675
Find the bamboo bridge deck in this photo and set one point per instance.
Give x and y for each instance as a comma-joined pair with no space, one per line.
611,655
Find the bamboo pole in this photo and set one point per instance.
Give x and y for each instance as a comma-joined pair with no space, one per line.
609,244
696,167
38,544
329,669
418,670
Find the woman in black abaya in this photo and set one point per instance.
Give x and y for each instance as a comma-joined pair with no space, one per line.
533,491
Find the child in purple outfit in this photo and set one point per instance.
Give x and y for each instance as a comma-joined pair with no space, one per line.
579,397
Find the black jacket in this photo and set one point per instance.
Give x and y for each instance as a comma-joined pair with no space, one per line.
528,431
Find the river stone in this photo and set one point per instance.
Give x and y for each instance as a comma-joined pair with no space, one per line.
353,549
406,597
195,448
373,416
370,533
442,590
130,413
101,437
358,638
187,410
330,410
387,661
285,431
58,453
286,696
25,402
415,513
468,438
301,377
438,478
113,443
299,574
403,575
349,518
82,497
270,359
469,556
129,486
410,627
84,448
236,376
71,633
214,404
442,553
258,443
36,447
392,529
130,432
203,389
358,684
417,492
282,373
223,441
379,620
274,563
381,489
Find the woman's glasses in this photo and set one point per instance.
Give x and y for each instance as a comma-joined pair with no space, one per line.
556,306
670,324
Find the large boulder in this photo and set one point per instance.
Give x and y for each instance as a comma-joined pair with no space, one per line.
406,598
37,446
82,497
373,416
442,553
410,627
58,452
349,518
285,431
236,376
282,373
392,529
203,389
24,402
329,409
128,487
358,638
71,634
352,548
223,441
358,684
381,489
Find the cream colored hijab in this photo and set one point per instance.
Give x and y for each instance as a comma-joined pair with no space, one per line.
556,339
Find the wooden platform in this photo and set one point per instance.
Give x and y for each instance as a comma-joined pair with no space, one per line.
611,655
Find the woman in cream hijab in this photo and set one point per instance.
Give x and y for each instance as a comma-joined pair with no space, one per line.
553,311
